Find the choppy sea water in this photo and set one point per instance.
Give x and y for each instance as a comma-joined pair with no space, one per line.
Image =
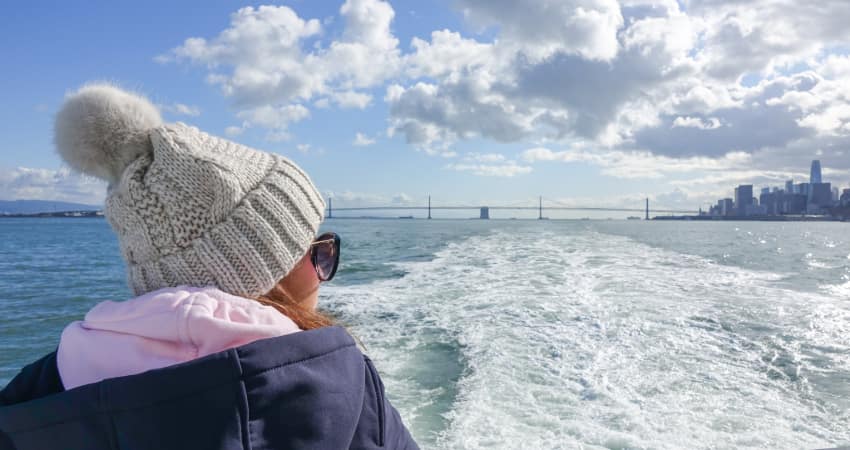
542,334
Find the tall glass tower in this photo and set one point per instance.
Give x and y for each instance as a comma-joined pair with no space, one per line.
815,176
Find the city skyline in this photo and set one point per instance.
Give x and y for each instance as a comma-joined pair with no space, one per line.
815,197
587,103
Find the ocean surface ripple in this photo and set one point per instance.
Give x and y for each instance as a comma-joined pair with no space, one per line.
542,334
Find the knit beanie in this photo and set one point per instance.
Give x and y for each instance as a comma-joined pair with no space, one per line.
188,208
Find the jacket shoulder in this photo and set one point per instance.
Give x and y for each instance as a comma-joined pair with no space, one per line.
38,379
380,425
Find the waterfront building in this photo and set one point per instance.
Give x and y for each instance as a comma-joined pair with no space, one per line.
835,195
743,198
789,186
821,195
755,210
815,173
793,204
845,198
772,202
802,188
726,207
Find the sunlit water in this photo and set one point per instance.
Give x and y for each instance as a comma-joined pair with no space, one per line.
542,334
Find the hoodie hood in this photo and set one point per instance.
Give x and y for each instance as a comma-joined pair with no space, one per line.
159,329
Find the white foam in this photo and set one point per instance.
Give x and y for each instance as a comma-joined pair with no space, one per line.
597,341
838,290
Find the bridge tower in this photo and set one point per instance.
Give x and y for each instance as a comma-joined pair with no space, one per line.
485,213
647,209
429,206
540,209
330,208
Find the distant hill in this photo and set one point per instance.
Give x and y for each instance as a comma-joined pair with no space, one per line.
42,206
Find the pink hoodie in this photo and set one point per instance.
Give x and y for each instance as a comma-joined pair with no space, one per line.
159,329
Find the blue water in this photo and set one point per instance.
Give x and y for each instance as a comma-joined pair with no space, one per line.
541,334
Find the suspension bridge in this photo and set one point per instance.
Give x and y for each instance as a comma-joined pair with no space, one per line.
484,211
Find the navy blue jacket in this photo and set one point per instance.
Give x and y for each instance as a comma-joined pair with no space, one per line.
307,390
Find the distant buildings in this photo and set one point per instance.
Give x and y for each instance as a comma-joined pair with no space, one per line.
726,207
814,197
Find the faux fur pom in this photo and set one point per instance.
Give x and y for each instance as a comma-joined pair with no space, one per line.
101,129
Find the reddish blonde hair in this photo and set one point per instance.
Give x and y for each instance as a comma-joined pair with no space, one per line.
305,318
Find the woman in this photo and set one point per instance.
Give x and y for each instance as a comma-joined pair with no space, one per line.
222,347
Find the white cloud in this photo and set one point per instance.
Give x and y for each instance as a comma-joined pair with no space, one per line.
263,59
181,109
545,27
834,119
504,91
351,99
507,169
367,53
401,198
352,198
639,164
263,46
361,140
274,117
734,178
484,157
24,183
759,36
394,92
696,122
427,113
677,199
666,90
677,81
446,53
258,70
307,149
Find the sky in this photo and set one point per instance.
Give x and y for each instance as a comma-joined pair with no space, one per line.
473,102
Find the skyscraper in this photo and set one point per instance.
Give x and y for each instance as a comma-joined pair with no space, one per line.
815,175
743,198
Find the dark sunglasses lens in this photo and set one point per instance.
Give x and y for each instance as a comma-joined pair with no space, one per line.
327,258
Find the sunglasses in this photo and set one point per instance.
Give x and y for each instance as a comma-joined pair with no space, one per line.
324,254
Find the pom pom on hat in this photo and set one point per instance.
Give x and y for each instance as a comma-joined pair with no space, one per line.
101,129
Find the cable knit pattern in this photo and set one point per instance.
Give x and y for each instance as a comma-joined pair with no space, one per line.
201,210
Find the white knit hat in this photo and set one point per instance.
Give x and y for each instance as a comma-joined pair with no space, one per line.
188,208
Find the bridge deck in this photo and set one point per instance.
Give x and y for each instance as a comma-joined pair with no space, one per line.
535,208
